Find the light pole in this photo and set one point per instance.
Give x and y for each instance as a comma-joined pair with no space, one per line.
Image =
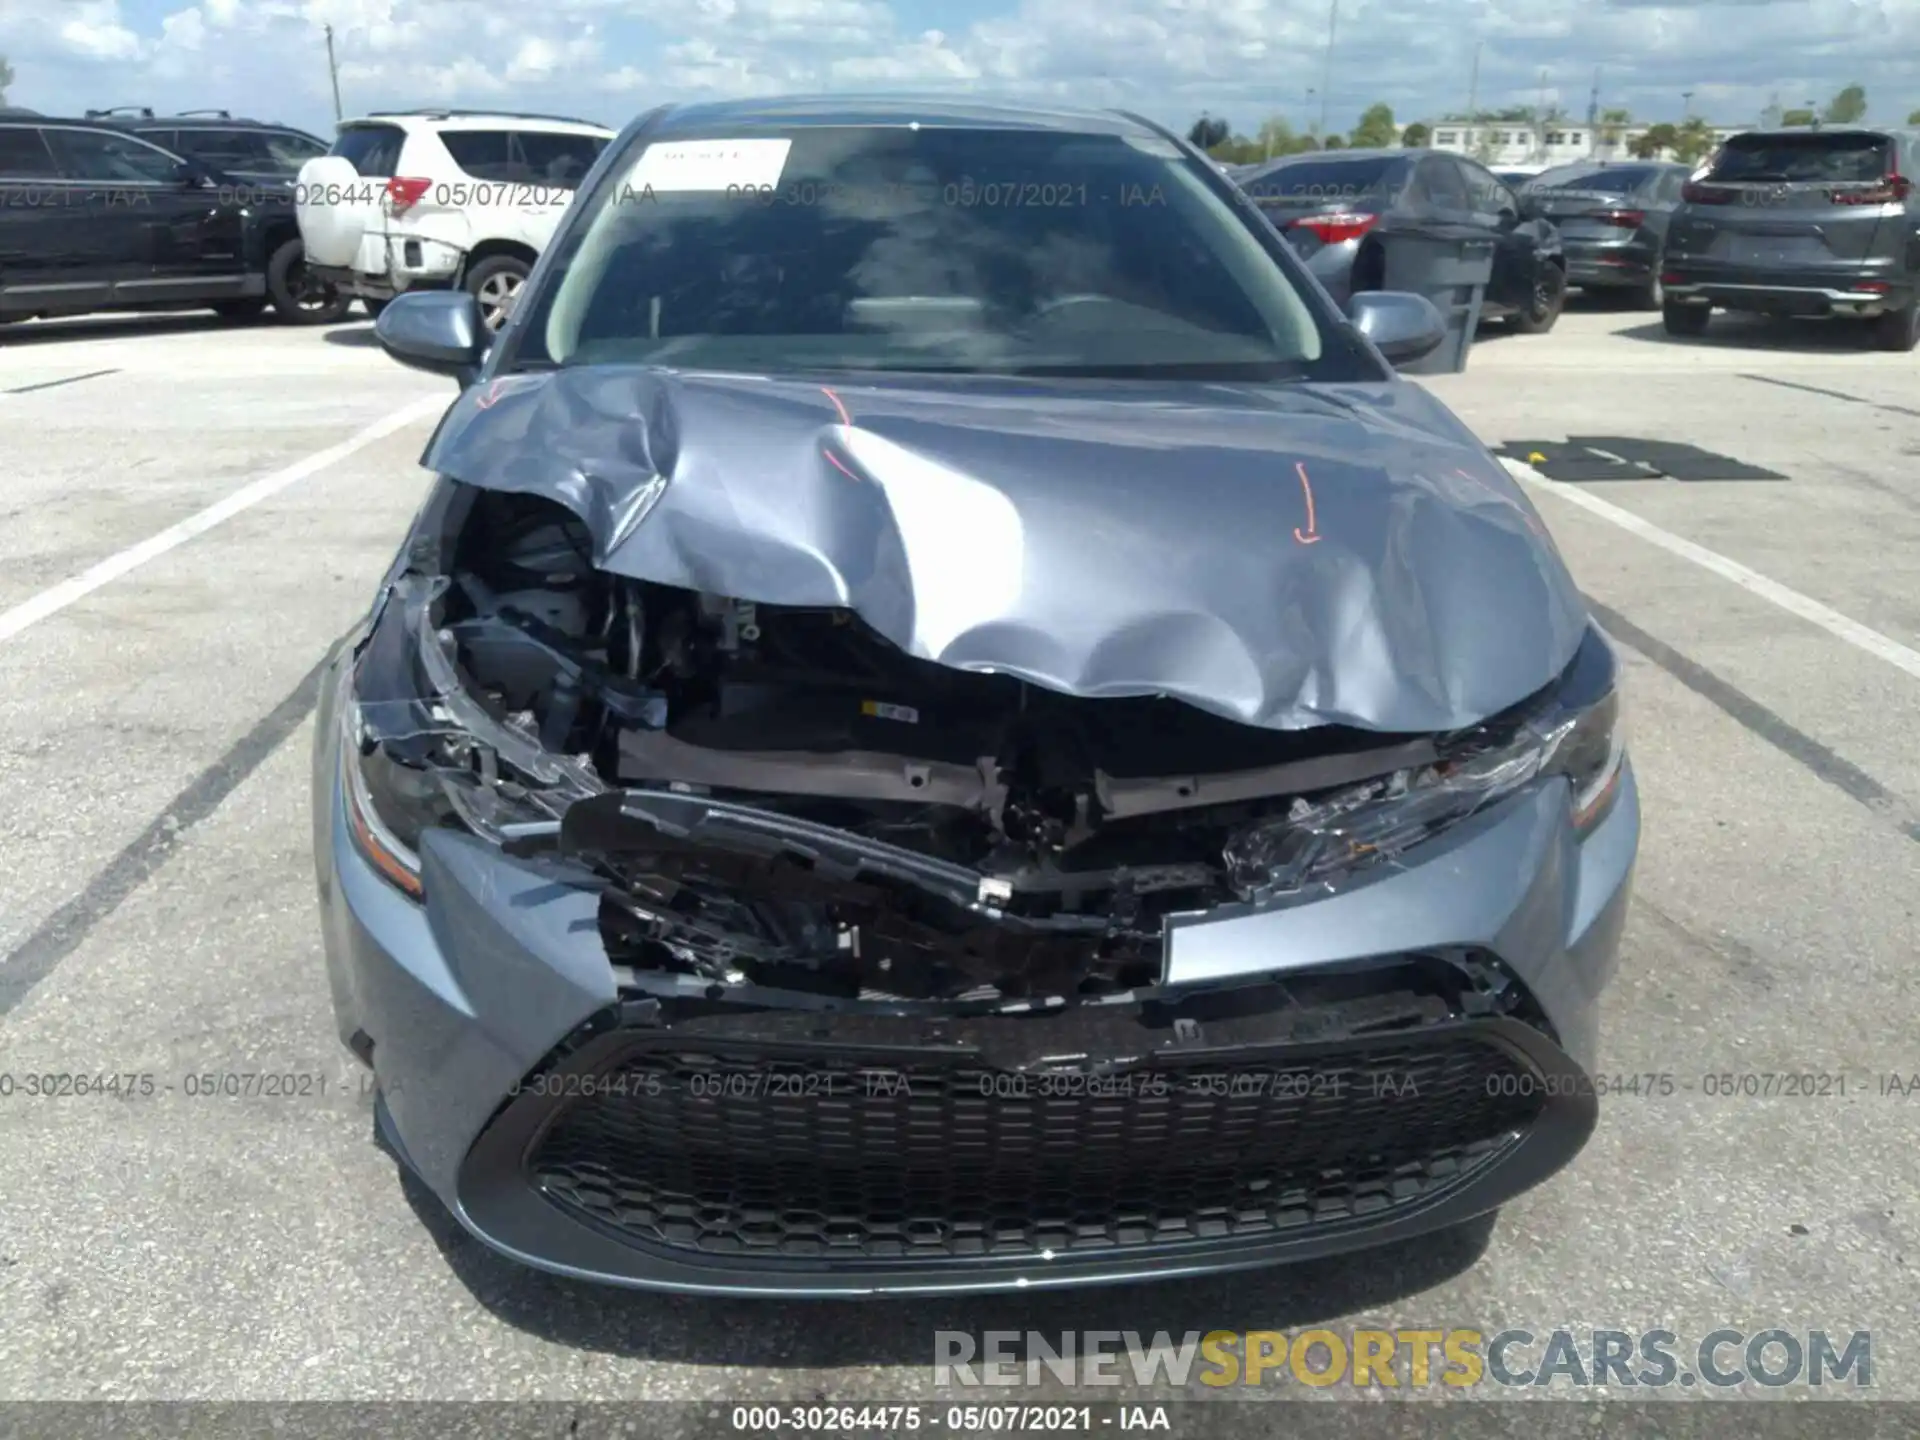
333,73
1686,98
1311,92
1326,77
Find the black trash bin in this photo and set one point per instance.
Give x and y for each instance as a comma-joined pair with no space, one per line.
1453,274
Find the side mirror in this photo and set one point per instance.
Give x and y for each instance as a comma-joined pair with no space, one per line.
190,176
1402,326
439,331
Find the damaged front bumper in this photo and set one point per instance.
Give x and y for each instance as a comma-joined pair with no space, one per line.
1400,1054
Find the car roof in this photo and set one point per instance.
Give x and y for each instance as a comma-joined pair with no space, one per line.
1781,132
792,112
446,119
1385,152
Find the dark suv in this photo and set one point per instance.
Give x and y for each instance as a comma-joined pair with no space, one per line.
1819,222
95,217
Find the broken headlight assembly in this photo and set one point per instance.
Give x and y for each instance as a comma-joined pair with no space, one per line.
1574,731
416,752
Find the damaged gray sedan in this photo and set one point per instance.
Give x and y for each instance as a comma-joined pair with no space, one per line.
947,723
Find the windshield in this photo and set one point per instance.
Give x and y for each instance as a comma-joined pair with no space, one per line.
939,249
1605,182
1810,157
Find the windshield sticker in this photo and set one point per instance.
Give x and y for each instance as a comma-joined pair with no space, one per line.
708,165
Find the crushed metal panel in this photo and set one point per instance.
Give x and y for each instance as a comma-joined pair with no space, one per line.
1286,557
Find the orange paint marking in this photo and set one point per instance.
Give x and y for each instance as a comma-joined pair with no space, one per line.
493,394
845,418
1311,535
834,460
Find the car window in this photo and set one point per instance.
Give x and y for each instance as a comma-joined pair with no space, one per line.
288,150
122,159
24,155
372,150
557,159
1485,194
222,149
1438,183
1837,157
483,154
889,249
1671,185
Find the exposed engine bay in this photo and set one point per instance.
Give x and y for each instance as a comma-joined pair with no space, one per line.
779,796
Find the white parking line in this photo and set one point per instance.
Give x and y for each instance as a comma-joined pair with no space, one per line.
56,599
1880,646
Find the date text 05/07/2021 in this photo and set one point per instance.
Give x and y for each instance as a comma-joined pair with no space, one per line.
879,1419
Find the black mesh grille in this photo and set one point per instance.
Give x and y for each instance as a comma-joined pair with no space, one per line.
731,1152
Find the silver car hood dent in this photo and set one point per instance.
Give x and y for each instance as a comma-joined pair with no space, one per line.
1284,556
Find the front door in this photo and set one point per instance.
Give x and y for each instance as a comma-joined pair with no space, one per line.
170,232
47,256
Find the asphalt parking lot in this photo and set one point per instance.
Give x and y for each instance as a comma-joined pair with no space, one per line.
158,912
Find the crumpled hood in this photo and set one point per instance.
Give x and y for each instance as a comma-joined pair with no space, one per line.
1285,556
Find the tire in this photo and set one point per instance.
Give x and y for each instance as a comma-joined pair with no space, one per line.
493,283
372,307
1679,319
1897,330
1549,300
238,309
297,297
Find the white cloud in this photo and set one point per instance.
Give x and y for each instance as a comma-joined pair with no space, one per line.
1243,59
183,30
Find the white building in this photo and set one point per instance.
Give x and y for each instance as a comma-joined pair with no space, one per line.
1536,145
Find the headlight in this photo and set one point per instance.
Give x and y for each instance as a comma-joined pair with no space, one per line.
417,752
1573,732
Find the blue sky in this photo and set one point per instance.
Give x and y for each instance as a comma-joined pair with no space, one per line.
1241,59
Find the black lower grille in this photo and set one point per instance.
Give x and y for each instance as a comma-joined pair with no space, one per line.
735,1151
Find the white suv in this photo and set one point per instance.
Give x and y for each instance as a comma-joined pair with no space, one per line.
434,199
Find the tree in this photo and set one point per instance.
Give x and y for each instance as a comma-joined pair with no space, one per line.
1237,150
1692,140
1657,138
1914,118
6,78
1376,129
1207,132
1849,107
1278,137
1796,117
1333,142
1416,136
1613,125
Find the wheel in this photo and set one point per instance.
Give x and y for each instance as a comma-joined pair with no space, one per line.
1897,329
238,309
372,307
1680,319
1549,298
299,297
494,283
